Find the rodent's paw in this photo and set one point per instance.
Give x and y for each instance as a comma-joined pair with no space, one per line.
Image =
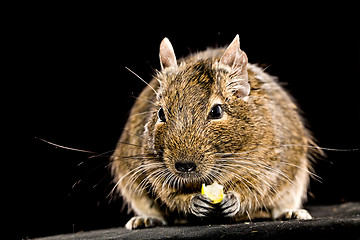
300,214
201,206
230,205
144,222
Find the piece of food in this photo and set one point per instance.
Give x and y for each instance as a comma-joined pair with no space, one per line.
214,191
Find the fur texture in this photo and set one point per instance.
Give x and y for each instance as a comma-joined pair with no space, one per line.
258,148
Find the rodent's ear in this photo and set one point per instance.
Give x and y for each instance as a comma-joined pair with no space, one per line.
237,61
167,54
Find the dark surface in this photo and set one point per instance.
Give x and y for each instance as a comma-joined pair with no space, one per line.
330,222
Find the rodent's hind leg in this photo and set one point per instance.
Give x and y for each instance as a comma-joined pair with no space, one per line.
300,214
144,222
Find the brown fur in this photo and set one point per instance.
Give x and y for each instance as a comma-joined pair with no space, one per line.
258,149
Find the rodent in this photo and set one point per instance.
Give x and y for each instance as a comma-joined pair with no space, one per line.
212,116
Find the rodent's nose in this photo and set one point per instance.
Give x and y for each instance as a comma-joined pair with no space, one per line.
185,166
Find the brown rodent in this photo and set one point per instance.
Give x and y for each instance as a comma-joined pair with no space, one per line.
210,117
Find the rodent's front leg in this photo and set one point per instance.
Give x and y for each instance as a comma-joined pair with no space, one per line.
202,206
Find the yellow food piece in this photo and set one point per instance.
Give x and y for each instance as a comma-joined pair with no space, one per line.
215,192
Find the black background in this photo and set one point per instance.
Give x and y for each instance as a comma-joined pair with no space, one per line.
68,85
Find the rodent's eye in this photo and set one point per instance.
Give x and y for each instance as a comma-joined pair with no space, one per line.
161,115
216,112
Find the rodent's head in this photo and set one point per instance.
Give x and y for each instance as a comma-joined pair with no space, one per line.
202,112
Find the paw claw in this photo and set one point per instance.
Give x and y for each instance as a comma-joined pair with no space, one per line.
230,205
201,206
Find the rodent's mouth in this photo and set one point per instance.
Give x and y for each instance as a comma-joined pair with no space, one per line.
189,187
188,176
190,182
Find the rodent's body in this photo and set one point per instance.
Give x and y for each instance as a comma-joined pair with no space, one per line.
255,144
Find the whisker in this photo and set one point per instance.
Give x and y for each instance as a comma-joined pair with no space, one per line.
233,170
261,180
264,177
141,157
238,177
142,113
146,100
268,146
64,147
167,180
247,212
146,167
161,183
141,79
219,177
101,154
142,185
269,168
140,146
241,179
315,176
133,173
158,177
